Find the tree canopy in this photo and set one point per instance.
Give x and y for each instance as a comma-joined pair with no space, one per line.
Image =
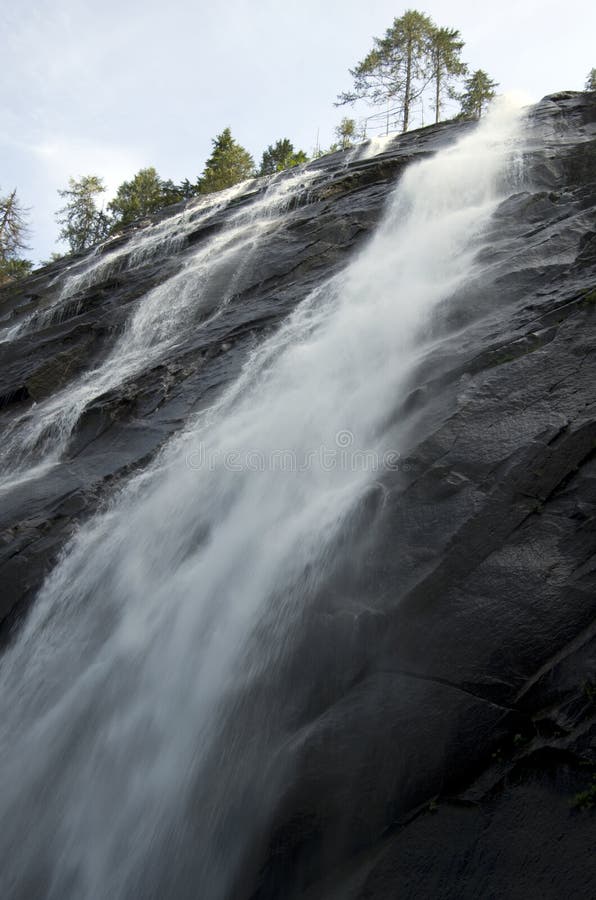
479,90
13,238
591,80
228,164
412,54
279,156
346,132
445,47
138,197
83,224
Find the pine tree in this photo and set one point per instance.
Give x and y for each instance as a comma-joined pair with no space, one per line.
228,164
83,224
445,47
346,132
591,80
13,239
479,90
396,71
171,193
140,196
280,156
187,189
13,227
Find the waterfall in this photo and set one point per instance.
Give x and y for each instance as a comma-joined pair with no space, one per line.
201,290
116,693
150,243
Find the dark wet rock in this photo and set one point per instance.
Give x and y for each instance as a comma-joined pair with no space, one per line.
436,736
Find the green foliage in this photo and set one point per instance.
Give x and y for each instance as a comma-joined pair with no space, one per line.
397,69
445,47
346,132
280,156
479,90
186,189
13,228
171,193
586,799
591,80
83,224
228,164
143,195
54,257
14,269
13,236
413,54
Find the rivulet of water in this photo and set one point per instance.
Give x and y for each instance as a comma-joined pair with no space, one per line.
199,291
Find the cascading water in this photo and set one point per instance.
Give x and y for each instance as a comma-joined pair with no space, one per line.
147,244
198,292
116,693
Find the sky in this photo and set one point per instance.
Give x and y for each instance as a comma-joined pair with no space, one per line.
109,88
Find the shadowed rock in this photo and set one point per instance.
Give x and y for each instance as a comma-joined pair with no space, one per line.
431,728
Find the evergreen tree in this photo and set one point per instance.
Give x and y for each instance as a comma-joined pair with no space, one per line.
141,196
13,238
54,257
445,47
171,193
479,90
591,80
346,132
279,156
187,189
13,227
83,224
228,164
397,69
13,269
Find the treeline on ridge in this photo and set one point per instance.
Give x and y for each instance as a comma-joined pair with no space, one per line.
414,66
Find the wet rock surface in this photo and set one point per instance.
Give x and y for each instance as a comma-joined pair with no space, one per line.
120,430
438,721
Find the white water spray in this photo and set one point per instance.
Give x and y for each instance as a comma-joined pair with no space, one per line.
146,244
200,291
111,697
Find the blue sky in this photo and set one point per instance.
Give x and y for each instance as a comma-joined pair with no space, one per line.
110,87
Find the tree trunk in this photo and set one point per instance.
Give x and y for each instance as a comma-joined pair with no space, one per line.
408,86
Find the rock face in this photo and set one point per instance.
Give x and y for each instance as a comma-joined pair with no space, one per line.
122,428
440,741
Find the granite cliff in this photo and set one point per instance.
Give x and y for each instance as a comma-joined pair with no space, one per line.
430,709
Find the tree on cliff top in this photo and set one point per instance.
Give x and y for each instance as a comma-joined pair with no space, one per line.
445,47
13,227
396,70
478,91
13,237
140,196
345,132
413,54
83,224
228,164
280,156
591,80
